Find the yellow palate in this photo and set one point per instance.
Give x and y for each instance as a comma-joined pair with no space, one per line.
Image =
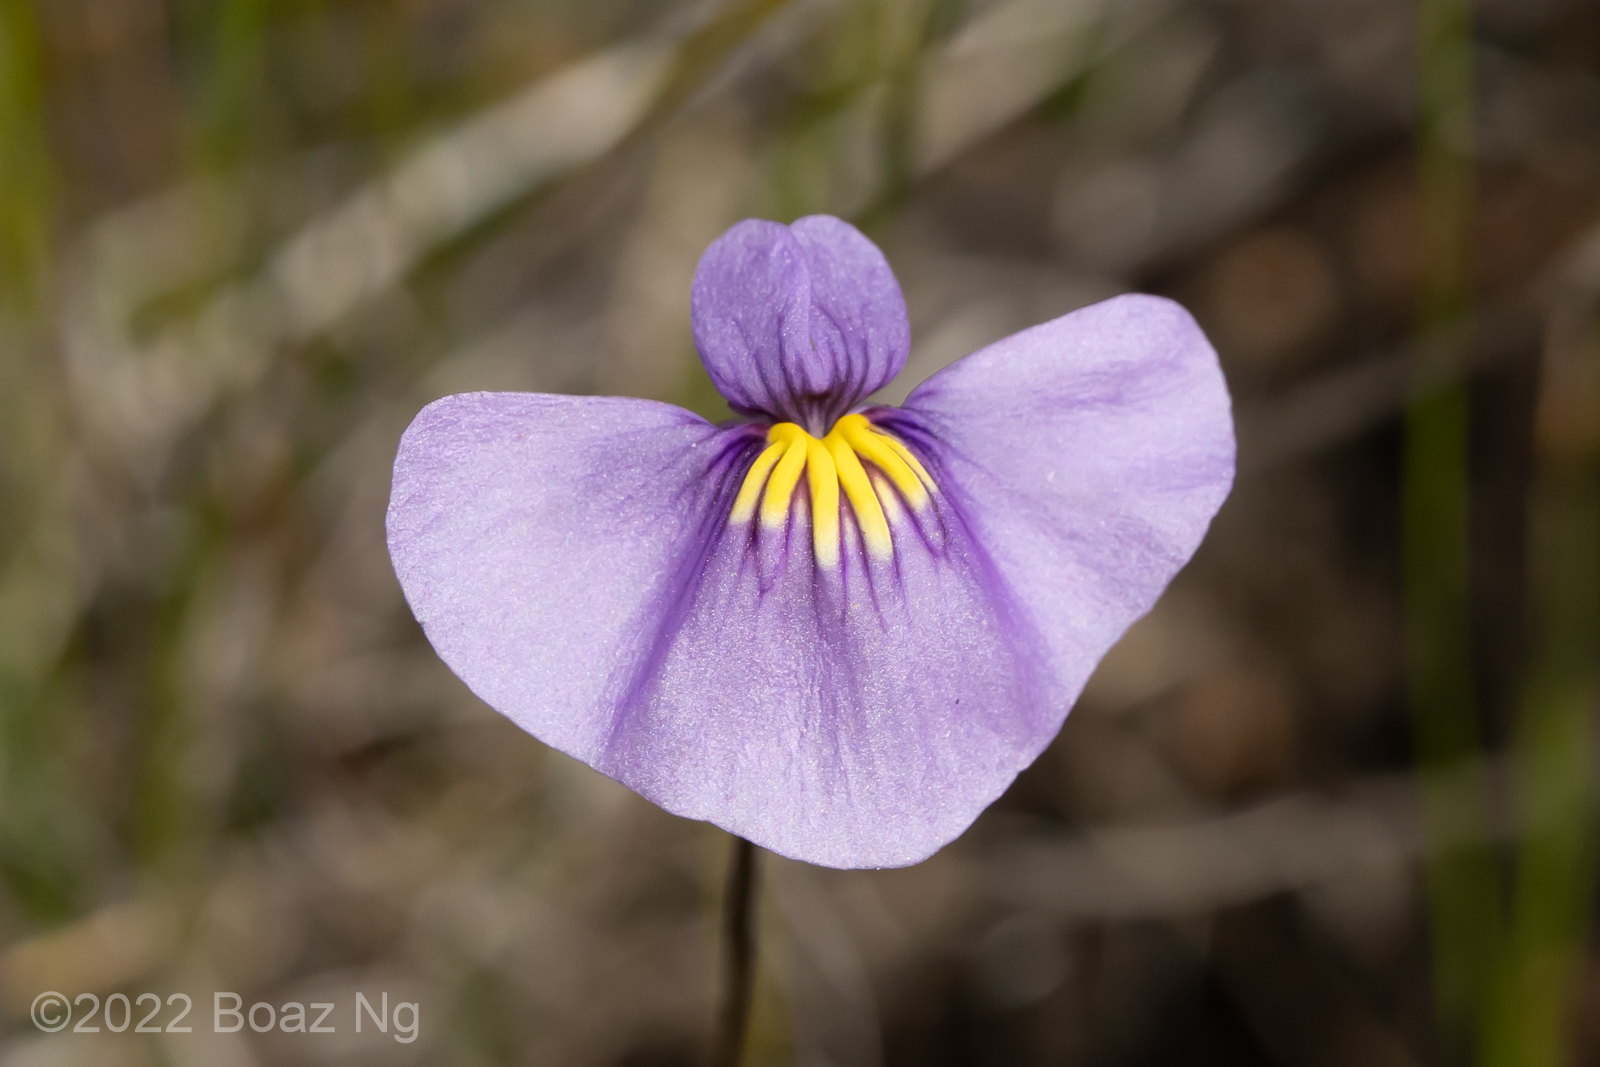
830,464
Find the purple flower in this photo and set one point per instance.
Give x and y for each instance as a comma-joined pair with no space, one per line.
838,631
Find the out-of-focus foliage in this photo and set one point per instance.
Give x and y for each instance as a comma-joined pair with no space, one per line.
243,241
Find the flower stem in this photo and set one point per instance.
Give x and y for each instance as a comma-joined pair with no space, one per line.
738,954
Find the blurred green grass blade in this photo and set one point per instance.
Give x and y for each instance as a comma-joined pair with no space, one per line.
1445,156
1462,884
25,165
387,48
1555,875
161,815
42,854
235,85
910,23
28,422
868,76
704,51
804,157
40,857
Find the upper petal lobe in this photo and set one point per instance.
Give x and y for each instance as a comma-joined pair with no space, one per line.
798,322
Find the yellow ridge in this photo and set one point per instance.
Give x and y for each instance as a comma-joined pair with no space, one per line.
780,489
824,502
888,455
744,505
830,464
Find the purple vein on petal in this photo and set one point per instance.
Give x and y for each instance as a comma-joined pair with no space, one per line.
737,449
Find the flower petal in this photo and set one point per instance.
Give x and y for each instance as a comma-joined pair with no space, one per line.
859,328
573,561
537,539
858,717
1090,454
798,323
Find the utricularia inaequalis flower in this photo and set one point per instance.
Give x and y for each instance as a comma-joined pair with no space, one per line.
838,631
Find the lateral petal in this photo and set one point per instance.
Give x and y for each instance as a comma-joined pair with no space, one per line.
542,541
1090,454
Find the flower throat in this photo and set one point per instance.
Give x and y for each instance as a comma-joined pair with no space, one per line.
830,463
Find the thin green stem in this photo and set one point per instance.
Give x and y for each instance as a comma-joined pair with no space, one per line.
738,955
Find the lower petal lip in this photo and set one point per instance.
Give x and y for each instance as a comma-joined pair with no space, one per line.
615,614
851,715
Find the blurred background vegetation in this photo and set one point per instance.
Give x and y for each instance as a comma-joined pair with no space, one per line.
1331,803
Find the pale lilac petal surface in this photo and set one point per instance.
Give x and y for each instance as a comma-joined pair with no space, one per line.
800,322
1089,455
570,560
535,537
862,718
